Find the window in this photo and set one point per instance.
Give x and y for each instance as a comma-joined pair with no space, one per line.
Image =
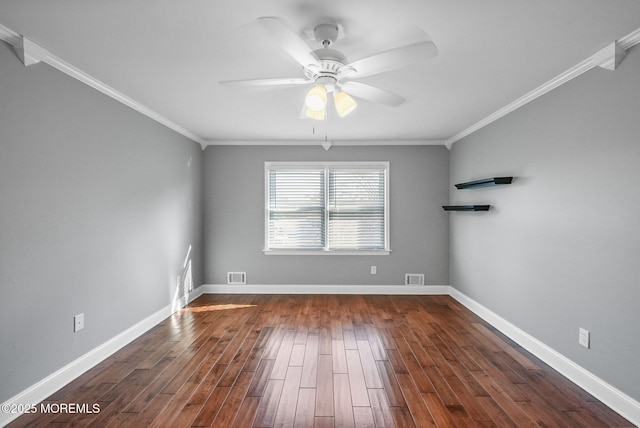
334,207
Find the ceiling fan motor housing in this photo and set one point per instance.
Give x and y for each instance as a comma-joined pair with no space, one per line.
330,70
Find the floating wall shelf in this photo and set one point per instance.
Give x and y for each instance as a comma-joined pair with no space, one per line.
485,182
466,207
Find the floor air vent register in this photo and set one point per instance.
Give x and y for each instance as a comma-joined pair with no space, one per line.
414,279
236,277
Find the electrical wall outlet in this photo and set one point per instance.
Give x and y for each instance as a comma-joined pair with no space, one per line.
583,337
78,322
374,270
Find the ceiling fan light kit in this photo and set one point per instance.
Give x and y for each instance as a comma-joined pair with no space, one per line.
317,115
316,99
344,103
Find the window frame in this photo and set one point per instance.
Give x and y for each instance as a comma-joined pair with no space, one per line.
326,166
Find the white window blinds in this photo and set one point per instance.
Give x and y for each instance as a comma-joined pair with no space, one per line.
296,209
356,209
328,207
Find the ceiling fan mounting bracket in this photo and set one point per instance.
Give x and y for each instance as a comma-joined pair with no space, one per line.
326,34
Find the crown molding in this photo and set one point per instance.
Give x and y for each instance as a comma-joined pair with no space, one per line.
630,40
30,53
608,58
8,35
322,143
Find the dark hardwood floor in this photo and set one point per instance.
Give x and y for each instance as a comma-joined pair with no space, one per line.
324,361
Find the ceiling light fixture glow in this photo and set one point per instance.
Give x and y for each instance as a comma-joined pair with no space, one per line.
317,115
316,99
344,103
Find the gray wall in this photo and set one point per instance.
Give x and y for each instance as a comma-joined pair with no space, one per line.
561,248
234,217
98,208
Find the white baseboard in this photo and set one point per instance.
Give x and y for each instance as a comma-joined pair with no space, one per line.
609,395
52,383
324,289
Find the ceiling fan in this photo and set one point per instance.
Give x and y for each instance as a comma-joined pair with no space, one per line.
330,72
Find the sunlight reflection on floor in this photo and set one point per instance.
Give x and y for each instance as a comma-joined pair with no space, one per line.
210,308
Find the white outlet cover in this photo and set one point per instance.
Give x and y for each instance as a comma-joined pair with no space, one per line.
78,322
583,337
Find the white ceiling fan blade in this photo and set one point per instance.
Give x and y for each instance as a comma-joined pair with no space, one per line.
373,94
267,82
303,111
394,58
289,40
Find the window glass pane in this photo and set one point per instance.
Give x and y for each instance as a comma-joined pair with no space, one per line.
356,209
296,209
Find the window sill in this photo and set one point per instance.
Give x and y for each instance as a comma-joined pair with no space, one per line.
326,253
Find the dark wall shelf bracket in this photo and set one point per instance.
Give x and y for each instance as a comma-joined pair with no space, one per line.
466,207
485,182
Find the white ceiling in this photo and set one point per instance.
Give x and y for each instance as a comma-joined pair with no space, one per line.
169,56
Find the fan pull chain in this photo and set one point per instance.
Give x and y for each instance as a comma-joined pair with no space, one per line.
326,123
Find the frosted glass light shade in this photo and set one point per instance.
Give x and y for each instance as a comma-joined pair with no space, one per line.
344,103
317,115
316,99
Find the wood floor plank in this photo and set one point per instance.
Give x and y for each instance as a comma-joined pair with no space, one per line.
238,361
403,418
205,384
255,355
471,405
375,343
498,416
297,354
305,410
499,378
286,412
247,412
310,363
339,356
369,367
269,404
363,417
324,341
262,375
441,414
357,385
229,410
416,404
209,410
194,361
380,408
342,400
323,422
418,373
324,389
324,360
349,338
281,362
390,383
505,401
